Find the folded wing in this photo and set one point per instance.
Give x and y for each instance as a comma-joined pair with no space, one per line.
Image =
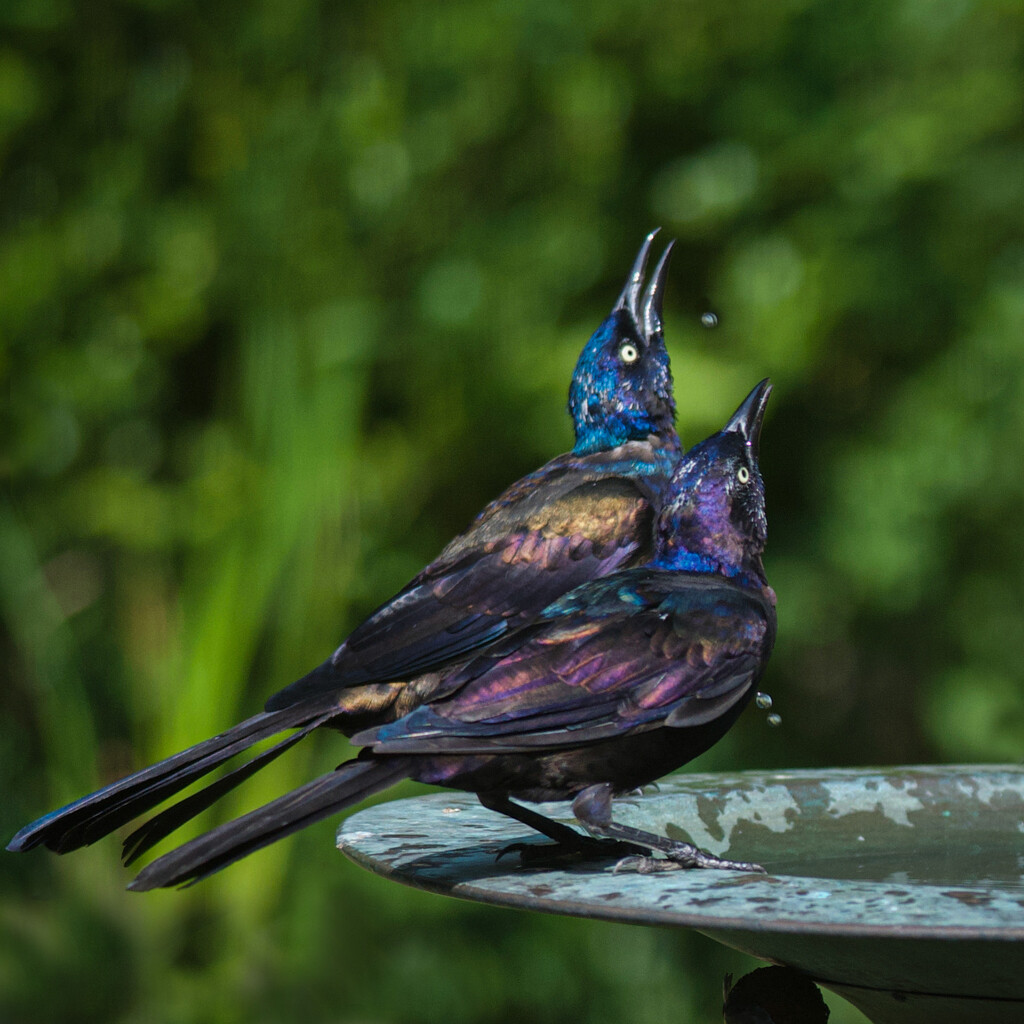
646,650
519,556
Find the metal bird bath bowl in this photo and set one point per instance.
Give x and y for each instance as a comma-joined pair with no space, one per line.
901,889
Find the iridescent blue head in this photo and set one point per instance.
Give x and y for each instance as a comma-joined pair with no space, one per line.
622,386
715,520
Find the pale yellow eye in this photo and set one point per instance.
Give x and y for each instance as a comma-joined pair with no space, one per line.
743,475
628,352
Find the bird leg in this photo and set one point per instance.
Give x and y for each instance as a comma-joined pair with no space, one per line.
569,846
593,808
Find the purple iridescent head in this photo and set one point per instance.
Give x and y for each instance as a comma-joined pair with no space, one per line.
714,520
622,386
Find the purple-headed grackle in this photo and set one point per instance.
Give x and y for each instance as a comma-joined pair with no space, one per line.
615,683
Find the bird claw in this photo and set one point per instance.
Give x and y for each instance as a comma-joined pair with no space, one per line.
642,865
683,857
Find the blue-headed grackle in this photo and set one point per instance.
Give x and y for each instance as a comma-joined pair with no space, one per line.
614,684
580,516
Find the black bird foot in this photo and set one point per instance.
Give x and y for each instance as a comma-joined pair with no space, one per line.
579,851
684,859
569,846
593,807
686,855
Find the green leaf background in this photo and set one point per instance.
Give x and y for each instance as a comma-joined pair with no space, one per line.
289,289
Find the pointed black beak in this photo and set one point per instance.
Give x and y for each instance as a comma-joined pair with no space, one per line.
646,313
630,296
654,297
746,420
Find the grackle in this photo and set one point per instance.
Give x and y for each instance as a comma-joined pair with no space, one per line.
582,515
616,683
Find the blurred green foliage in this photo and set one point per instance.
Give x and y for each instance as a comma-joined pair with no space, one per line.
289,289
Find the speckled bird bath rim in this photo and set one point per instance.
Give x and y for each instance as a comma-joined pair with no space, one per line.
928,900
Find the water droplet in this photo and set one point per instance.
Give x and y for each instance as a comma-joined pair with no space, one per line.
763,701
774,720
708,319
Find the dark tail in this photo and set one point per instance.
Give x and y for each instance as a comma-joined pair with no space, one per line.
92,817
346,785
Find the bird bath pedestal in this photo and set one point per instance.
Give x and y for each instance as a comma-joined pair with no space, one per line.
901,889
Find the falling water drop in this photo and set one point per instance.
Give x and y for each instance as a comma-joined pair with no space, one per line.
774,720
763,701
708,319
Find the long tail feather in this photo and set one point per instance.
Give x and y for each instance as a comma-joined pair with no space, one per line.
92,817
209,853
162,825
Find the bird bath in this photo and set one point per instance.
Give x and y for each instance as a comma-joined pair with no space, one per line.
901,889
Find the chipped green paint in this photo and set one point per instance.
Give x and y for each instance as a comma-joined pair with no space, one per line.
900,880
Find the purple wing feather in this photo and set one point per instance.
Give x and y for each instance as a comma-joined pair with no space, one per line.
689,653
514,562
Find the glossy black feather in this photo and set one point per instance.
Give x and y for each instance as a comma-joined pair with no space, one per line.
641,649
576,519
310,803
90,818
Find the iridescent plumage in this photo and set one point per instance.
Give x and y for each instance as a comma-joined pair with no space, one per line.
616,683
580,516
